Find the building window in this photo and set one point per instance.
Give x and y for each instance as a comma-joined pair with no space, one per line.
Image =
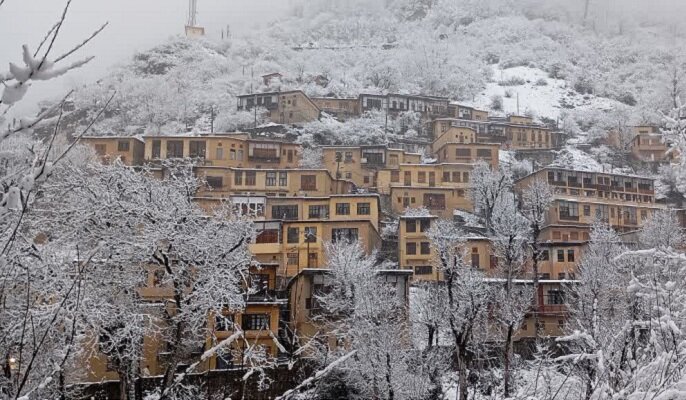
123,145
485,153
425,248
342,208
556,297
544,255
232,154
348,156
465,177
101,149
570,255
366,179
411,225
238,177
156,148
293,258
174,149
347,234
308,182
310,234
271,178
283,178
560,256
287,212
395,176
424,225
411,248
587,211
363,209
223,323
239,156
196,148
215,182
293,235
463,153
254,322
267,235
421,177
250,178
319,212
434,201
422,270
348,175
475,257
569,210
219,153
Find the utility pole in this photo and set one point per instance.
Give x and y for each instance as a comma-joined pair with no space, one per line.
385,128
212,118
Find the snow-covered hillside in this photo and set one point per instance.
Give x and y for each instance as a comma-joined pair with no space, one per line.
531,91
462,51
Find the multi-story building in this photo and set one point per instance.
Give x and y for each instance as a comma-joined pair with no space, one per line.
292,231
128,149
291,107
259,321
441,188
224,150
460,111
342,109
307,319
459,145
513,132
361,164
624,201
481,127
225,182
648,145
522,133
428,106
415,252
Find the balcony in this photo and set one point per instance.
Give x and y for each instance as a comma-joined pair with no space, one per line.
550,304
270,159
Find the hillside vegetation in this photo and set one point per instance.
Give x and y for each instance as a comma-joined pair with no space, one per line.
619,55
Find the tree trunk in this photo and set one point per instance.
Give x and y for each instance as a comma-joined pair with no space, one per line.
508,361
535,257
123,387
431,336
391,394
463,390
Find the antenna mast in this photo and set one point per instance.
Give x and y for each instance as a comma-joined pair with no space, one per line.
192,30
192,12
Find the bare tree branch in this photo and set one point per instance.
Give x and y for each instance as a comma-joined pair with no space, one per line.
80,45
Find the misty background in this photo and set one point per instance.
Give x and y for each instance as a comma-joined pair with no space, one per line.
134,25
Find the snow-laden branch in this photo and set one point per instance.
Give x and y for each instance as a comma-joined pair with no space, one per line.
316,377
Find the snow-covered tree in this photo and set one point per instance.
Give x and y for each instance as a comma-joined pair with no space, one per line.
367,314
535,203
674,133
312,157
468,296
487,188
512,300
599,332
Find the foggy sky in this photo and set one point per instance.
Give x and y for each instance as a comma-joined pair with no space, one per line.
134,25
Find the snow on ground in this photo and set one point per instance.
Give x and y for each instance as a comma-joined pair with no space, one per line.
572,158
547,100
